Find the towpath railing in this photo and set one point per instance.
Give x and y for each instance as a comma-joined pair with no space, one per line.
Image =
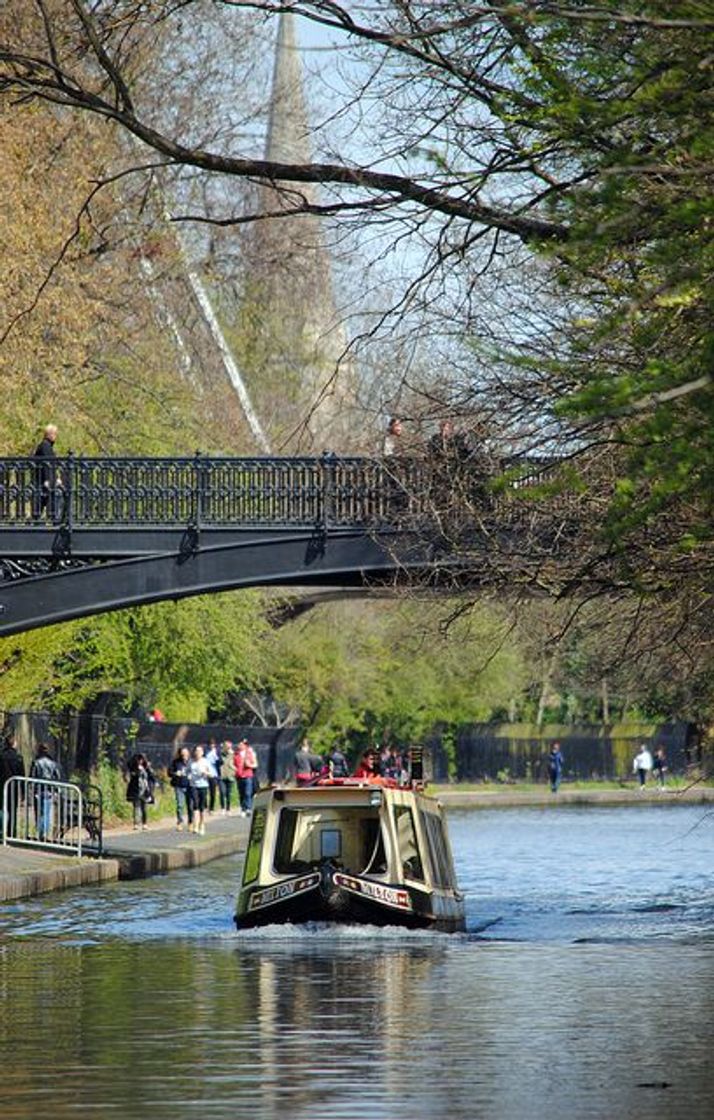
58,815
81,492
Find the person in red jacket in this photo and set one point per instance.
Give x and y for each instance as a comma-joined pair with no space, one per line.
367,766
246,768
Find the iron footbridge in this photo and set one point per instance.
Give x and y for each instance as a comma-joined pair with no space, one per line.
79,535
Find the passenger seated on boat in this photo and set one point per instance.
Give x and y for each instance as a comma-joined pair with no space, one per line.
307,765
367,766
336,764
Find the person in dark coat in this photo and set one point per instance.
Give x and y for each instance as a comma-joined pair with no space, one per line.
140,787
179,774
12,765
47,484
555,767
308,765
659,766
337,764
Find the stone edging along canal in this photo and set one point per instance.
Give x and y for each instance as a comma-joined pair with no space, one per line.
132,855
454,798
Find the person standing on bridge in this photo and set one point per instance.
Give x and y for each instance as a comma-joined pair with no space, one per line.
46,482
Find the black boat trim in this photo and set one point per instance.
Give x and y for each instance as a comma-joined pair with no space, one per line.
395,897
288,888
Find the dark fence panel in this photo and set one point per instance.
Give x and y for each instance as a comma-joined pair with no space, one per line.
501,751
274,747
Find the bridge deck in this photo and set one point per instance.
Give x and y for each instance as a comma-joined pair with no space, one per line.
83,535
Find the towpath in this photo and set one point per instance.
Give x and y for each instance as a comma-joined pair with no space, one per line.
127,855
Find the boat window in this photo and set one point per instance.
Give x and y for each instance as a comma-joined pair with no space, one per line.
330,843
408,847
251,866
374,859
350,835
284,862
439,852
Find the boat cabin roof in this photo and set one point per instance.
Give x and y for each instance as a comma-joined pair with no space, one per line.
346,791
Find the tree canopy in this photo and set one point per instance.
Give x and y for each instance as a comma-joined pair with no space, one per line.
535,177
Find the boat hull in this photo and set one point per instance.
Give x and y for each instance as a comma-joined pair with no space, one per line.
349,900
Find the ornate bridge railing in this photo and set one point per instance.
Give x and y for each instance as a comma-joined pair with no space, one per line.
212,492
202,491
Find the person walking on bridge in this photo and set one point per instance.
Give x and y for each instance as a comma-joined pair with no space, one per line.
46,482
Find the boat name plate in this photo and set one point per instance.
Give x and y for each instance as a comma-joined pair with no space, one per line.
269,895
390,896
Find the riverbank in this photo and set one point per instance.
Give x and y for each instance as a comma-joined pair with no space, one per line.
510,797
127,855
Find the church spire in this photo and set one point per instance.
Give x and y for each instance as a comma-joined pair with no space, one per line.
290,324
288,139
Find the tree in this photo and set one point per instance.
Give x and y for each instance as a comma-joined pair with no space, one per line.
354,671
554,157
183,656
581,132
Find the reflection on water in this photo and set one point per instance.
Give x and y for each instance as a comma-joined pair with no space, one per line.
140,999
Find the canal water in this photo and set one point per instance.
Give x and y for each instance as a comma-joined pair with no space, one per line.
584,987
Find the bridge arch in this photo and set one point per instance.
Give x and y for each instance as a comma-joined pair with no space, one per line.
84,536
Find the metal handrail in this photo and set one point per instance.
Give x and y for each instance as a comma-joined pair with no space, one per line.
91,492
49,814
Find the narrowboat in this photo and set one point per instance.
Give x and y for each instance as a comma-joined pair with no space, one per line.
349,850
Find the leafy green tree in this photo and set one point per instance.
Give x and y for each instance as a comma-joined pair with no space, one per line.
183,656
392,669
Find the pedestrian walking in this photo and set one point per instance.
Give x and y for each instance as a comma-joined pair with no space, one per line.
213,758
246,765
659,766
228,776
46,481
555,767
179,776
44,769
642,765
200,771
140,788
